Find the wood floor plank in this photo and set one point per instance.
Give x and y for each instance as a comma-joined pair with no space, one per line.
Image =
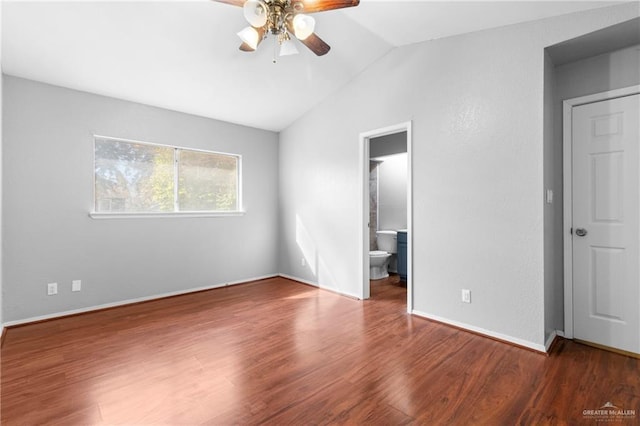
279,352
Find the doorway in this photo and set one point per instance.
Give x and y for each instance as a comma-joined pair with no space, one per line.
602,214
366,220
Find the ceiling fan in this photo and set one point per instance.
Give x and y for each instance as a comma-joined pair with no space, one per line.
284,18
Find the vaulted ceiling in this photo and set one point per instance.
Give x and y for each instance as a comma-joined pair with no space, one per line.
183,55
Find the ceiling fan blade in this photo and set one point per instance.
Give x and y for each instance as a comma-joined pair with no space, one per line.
316,45
311,6
313,42
238,3
246,48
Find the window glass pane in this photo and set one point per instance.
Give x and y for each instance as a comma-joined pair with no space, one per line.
131,177
207,182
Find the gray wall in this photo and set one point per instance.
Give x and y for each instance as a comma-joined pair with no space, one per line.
600,73
553,248
476,102
49,237
608,71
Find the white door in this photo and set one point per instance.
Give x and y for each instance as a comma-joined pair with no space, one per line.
606,213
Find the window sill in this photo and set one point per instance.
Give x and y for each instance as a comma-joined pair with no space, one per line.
102,215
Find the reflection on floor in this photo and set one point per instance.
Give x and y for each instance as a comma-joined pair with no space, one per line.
390,288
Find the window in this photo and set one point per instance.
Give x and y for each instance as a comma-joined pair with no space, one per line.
141,178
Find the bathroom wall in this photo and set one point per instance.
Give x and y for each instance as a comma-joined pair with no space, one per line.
392,192
48,193
391,196
476,102
373,204
394,143
381,149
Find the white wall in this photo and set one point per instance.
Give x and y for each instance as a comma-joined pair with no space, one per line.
49,237
476,102
392,192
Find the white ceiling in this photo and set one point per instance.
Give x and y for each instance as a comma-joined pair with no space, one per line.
183,55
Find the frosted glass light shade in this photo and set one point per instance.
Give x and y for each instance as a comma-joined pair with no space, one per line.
255,12
250,36
303,26
288,48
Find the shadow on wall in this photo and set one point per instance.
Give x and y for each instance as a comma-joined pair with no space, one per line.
307,246
316,264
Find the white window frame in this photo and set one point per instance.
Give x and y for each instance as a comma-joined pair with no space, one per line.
175,214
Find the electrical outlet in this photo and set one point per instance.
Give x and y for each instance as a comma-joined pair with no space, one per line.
52,288
466,296
76,285
303,262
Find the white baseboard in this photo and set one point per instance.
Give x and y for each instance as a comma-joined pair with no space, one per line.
311,283
291,277
131,301
499,336
550,339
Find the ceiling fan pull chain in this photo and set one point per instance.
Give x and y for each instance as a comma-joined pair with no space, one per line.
275,48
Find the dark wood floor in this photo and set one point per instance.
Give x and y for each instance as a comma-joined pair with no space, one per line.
278,352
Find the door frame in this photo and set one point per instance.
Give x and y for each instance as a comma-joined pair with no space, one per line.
567,175
364,216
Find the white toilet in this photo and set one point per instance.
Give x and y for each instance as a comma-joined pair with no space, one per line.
379,259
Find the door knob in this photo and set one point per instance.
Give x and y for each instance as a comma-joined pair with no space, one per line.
581,232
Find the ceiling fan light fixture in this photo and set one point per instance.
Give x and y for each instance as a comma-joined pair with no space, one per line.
255,12
288,47
250,36
303,26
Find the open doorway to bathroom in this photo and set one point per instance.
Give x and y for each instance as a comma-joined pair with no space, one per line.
386,252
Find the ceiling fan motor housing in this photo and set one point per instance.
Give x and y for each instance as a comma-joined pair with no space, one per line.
279,12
